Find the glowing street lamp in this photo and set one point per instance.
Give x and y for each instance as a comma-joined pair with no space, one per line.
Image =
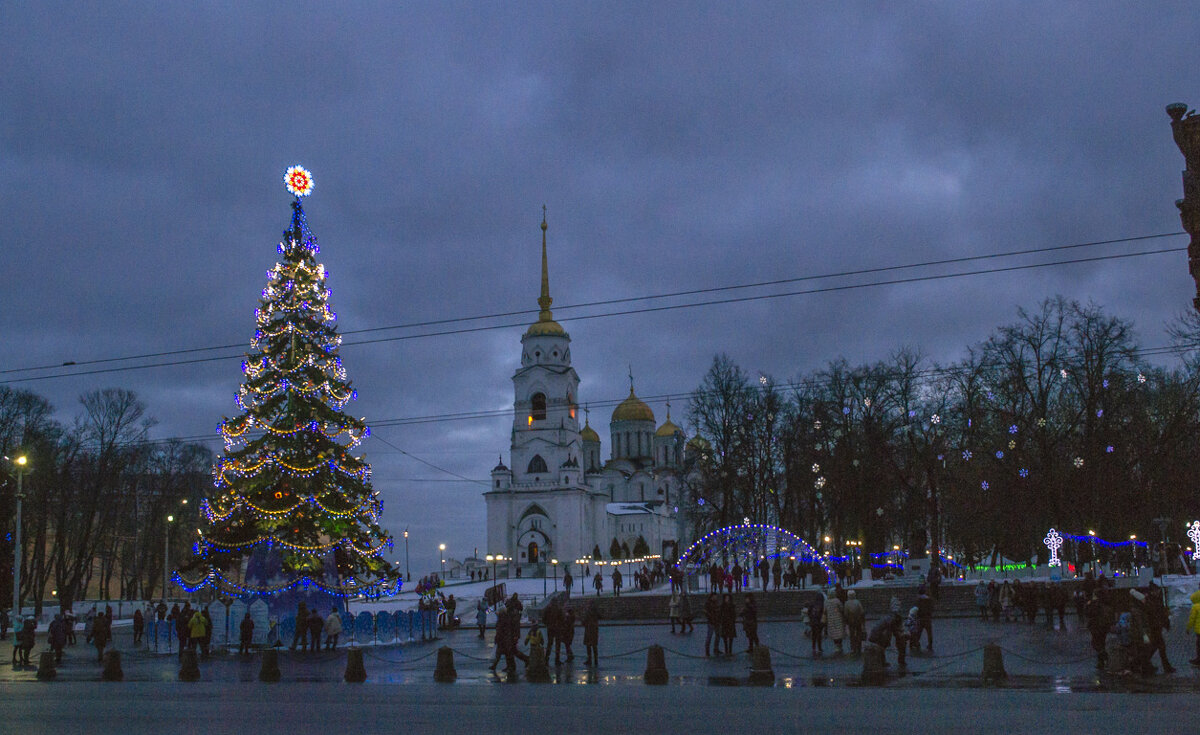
21,463
442,554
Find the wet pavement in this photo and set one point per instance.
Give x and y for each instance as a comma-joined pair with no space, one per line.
1036,659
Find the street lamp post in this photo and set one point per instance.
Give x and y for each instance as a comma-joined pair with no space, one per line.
554,562
442,556
167,553
20,463
407,570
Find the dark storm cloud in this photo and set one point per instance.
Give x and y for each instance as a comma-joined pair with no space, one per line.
676,146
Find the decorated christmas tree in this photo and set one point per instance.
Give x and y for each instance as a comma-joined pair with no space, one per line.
293,513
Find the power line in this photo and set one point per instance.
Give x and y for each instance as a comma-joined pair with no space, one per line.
609,302
644,310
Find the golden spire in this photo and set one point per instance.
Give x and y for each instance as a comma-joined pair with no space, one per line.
544,300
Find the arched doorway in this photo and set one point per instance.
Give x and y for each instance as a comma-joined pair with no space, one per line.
533,553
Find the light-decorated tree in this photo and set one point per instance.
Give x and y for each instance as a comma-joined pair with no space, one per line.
293,509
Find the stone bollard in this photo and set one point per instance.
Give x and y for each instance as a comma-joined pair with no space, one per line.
269,671
873,671
537,670
46,666
1118,659
445,666
356,672
189,666
112,666
993,664
656,666
761,672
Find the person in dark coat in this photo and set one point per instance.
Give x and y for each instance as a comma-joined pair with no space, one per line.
316,625
816,625
750,623
552,617
246,631
776,573
1158,620
101,634
728,617
57,636
565,635
139,625
1099,618
28,638
925,619
503,641
591,634
712,616
300,634
887,630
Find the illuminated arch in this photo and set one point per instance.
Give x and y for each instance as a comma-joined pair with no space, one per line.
746,544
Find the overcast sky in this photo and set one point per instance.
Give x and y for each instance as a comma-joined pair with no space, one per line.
676,146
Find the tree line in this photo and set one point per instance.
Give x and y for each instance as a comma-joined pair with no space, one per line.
1058,419
97,494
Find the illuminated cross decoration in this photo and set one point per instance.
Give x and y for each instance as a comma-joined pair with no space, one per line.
1054,542
1194,534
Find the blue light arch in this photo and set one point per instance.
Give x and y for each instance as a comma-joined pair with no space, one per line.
748,543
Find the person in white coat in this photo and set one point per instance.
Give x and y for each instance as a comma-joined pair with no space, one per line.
333,629
835,620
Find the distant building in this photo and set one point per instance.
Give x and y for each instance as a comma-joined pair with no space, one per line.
559,499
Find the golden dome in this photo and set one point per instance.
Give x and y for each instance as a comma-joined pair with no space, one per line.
667,429
588,434
544,327
700,444
632,409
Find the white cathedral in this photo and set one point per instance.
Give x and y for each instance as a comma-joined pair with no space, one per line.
559,499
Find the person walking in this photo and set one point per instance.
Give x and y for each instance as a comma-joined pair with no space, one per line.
481,611
196,630
57,636
616,582
316,626
750,623
300,634
924,618
101,634
816,626
1158,622
591,634
835,621
568,580
728,617
981,599
685,613
1193,625
246,635
856,620
566,634
712,618
1099,620
1008,602
673,611
890,628
776,573
333,629
598,583
28,638
139,625
552,618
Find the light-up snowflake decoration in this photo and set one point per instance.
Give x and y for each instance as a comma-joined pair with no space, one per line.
935,419
984,485
1063,372
1041,423
299,181
1012,445
966,454
816,468
1141,378
867,402
999,454
1023,473
1054,542
1078,462
1012,429
1194,534
820,483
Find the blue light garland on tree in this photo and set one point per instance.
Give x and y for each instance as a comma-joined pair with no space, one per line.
289,492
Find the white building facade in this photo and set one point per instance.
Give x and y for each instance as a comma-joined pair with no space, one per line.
559,499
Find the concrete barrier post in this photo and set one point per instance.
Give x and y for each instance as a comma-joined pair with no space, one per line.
656,666
112,666
993,664
445,666
761,673
269,671
873,670
46,666
189,666
356,672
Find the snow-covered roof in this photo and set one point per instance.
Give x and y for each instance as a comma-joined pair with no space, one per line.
629,509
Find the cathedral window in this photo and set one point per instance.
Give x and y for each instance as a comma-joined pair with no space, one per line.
538,406
537,465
